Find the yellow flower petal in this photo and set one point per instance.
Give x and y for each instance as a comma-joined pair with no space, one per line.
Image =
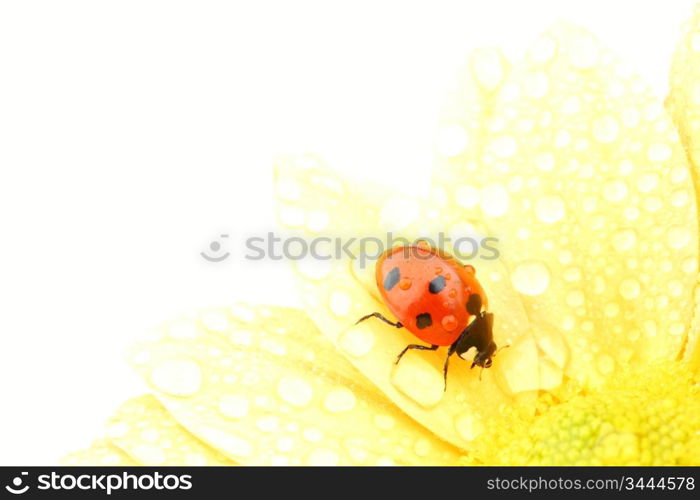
642,417
264,387
339,291
684,105
577,169
147,432
100,453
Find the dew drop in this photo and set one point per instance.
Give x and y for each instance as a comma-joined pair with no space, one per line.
543,50
494,200
678,237
629,288
422,447
233,405
295,391
536,84
467,196
505,146
405,283
611,310
449,322
659,152
531,278
605,129
340,399
317,220
624,239
384,422
398,213
339,303
468,426
583,52
550,209
572,274
606,364
288,190
357,341
575,298
614,191
322,457
487,65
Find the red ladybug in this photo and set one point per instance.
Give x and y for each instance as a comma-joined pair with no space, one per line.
434,296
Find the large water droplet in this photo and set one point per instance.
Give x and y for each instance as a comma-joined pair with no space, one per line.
678,237
624,239
494,200
487,65
530,278
550,209
614,191
339,399
357,341
605,129
233,405
468,426
629,288
295,391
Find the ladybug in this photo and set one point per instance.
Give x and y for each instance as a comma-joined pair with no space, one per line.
435,297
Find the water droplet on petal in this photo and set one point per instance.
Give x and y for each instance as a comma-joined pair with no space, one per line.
530,278
583,52
678,237
234,405
340,399
468,426
550,209
494,200
605,129
624,239
340,303
357,341
629,288
614,191
322,457
295,391
606,364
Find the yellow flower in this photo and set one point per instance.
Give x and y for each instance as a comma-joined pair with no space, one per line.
568,159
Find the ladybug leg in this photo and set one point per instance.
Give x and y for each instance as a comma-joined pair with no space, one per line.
447,362
415,346
379,316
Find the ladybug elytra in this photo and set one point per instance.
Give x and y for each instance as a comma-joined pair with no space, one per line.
435,297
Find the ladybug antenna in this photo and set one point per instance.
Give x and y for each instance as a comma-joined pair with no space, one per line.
500,349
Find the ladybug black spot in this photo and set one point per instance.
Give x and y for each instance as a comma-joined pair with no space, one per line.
424,320
391,279
437,285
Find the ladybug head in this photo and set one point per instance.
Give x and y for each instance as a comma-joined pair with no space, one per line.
474,304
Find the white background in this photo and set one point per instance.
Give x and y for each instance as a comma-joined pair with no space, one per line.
132,133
